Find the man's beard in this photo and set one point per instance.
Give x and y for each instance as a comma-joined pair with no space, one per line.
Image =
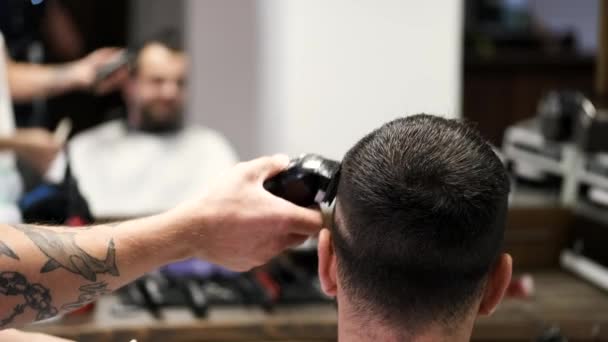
152,125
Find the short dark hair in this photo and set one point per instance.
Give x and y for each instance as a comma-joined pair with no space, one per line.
168,38
420,219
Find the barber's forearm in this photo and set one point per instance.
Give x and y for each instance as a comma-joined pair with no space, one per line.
30,81
45,271
236,223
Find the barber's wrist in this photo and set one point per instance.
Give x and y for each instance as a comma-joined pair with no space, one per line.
187,225
73,75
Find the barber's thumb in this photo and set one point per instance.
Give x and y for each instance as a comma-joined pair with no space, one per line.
267,167
304,221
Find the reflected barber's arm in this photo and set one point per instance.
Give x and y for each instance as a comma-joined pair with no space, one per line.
36,146
236,224
29,81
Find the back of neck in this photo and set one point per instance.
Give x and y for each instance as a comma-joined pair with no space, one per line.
355,328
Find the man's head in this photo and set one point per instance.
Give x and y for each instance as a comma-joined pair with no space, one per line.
155,91
418,227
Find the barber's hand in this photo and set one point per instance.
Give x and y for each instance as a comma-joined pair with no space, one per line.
242,224
84,71
37,147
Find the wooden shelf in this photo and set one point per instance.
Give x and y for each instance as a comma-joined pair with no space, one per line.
579,309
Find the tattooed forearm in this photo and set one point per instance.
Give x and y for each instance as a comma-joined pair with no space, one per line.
88,293
5,250
63,252
35,296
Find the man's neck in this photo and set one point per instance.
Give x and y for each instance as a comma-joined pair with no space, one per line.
354,328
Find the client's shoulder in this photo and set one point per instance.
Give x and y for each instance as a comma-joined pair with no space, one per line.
211,142
205,133
102,133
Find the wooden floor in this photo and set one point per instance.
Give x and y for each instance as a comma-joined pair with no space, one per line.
578,309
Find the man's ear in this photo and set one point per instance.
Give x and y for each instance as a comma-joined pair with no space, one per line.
496,284
327,264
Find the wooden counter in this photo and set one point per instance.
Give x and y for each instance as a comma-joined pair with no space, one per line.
580,310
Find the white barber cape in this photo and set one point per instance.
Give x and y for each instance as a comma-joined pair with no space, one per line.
125,173
10,182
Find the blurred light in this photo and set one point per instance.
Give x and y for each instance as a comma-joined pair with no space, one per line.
36,2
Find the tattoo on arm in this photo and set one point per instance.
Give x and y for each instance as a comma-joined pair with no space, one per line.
88,293
63,252
35,296
6,250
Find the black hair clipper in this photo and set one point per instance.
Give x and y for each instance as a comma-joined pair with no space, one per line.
309,179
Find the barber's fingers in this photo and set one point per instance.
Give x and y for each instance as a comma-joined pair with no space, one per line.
112,82
293,240
302,221
296,219
265,167
104,54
